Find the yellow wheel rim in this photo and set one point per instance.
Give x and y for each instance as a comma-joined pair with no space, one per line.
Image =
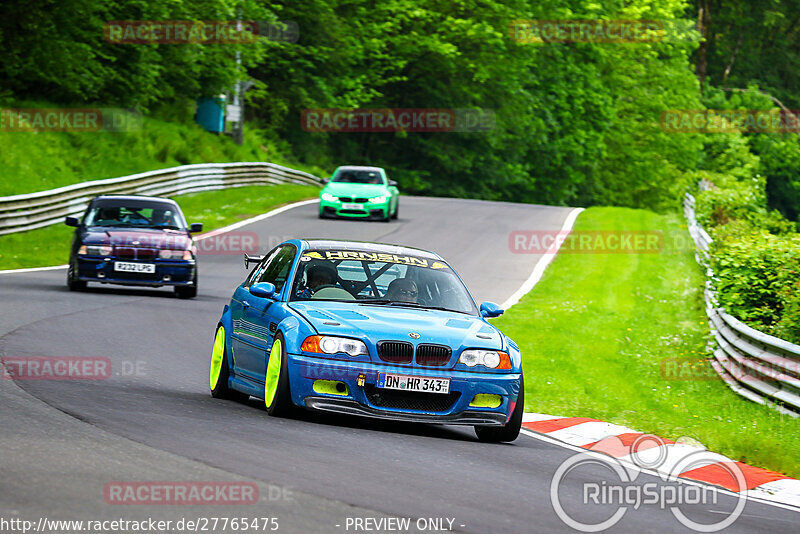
273,373
217,355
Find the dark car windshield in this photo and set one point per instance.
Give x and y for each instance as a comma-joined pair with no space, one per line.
140,214
380,279
358,177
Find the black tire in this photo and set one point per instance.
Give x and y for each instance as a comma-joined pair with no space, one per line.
222,390
509,431
282,405
396,210
187,292
72,283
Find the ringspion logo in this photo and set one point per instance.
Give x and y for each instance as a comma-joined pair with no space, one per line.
608,471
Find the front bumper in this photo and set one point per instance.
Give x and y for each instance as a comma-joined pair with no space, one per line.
366,211
168,272
363,398
351,407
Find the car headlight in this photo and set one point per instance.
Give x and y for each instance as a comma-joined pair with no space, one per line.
95,250
334,345
378,200
169,254
327,197
493,359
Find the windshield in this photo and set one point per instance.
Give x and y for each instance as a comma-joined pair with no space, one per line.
358,177
380,279
135,214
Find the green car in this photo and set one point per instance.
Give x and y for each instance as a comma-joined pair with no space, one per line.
359,193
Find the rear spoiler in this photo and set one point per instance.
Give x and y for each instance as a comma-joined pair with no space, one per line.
251,259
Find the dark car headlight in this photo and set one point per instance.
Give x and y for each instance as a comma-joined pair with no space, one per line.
168,254
95,250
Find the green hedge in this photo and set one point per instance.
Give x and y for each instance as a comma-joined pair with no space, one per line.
756,251
757,280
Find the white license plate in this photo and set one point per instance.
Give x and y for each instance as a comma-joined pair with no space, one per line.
352,207
414,383
134,267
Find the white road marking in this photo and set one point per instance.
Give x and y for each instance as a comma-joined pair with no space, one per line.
541,265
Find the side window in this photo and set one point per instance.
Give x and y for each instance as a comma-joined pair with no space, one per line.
276,268
252,278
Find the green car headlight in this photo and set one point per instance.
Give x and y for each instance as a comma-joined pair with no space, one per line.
378,200
327,197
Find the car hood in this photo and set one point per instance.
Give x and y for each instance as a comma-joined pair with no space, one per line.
165,238
384,323
355,190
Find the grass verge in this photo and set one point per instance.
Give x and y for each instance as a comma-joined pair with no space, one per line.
598,329
37,161
215,209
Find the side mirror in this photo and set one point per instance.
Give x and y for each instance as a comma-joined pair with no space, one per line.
325,180
392,183
72,221
490,309
196,227
264,290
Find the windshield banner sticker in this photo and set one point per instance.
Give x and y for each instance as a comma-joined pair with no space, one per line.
374,256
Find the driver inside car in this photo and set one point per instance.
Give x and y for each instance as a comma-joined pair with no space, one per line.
318,276
107,215
402,290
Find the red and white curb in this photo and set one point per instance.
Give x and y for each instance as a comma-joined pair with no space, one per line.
664,456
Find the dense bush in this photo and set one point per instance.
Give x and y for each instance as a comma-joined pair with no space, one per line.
756,252
756,276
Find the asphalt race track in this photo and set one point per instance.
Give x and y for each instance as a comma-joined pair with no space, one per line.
61,442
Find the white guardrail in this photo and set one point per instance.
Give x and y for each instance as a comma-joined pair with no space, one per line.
36,210
760,367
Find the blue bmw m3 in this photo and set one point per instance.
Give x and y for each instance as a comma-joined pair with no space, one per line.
371,330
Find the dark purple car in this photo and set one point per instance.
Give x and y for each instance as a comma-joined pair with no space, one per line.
133,240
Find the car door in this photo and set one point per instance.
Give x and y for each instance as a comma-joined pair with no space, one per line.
242,338
260,316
